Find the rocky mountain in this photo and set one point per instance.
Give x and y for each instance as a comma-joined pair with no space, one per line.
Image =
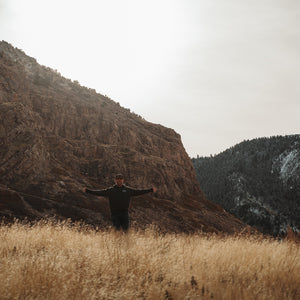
57,137
258,181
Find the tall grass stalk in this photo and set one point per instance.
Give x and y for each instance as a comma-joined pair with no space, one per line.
60,261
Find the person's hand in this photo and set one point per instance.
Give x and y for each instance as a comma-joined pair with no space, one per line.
84,189
154,189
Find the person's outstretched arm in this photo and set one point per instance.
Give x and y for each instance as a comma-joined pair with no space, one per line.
137,192
103,193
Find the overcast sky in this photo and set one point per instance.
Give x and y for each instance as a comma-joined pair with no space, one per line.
218,72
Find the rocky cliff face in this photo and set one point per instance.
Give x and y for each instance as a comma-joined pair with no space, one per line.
57,136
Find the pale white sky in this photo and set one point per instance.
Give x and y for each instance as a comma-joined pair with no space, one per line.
216,71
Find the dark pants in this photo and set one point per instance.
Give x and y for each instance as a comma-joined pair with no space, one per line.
120,220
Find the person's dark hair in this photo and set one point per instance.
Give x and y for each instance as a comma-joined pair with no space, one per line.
119,176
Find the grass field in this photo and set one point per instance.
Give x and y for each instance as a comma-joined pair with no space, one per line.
60,261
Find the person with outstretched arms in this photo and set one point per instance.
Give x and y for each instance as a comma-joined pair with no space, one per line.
119,199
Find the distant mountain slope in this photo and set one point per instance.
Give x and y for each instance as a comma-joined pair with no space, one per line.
258,181
57,137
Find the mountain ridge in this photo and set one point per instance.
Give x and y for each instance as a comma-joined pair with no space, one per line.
256,180
57,137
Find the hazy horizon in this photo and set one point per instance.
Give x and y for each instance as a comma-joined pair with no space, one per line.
217,73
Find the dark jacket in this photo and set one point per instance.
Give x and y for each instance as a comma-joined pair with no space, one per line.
119,197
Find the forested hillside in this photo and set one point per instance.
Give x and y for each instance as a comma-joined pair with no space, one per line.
258,181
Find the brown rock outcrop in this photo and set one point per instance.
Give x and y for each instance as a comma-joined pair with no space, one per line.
57,136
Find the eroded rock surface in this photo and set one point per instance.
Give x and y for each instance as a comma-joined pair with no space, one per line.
57,137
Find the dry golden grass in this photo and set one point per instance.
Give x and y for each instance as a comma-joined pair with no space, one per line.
48,261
